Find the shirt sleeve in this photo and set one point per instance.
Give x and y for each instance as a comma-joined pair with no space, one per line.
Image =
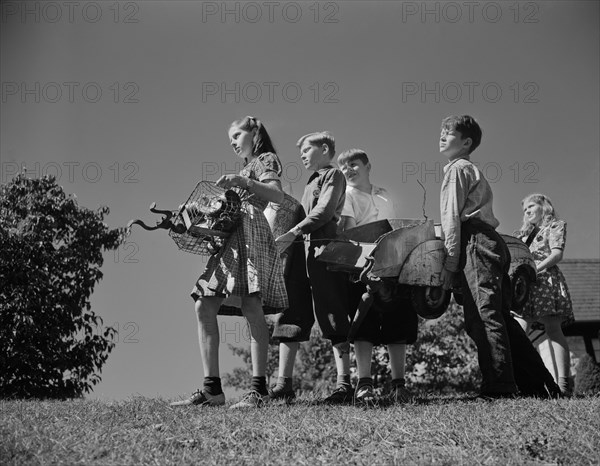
269,168
557,235
332,192
454,191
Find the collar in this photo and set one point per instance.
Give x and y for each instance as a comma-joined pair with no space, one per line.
449,164
319,172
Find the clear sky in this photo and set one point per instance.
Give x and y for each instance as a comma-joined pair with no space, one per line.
129,103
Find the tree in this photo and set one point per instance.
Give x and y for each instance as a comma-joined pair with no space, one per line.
52,345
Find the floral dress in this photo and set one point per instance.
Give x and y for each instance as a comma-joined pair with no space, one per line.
249,263
550,295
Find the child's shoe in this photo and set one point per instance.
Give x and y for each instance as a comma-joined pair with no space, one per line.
252,399
201,398
365,394
400,395
279,393
341,395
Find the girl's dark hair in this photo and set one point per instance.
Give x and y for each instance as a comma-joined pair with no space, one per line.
261,142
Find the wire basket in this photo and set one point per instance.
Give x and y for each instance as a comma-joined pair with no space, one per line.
208,218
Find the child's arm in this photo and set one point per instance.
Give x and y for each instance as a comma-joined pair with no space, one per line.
269,190
332,190
554,258
557,237
454,192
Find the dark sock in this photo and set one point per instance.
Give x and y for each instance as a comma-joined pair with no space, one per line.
212,386
398,383
260,385
364,381
284,384
343,381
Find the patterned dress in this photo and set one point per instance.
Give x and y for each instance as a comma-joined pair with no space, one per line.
550,295
249,263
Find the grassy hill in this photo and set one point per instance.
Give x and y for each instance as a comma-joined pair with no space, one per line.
435,430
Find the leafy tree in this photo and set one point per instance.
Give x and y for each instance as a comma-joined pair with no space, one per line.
51,343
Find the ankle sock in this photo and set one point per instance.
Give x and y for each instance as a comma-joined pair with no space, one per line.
212,386
364,381
259,384
398,383
343,381
284,384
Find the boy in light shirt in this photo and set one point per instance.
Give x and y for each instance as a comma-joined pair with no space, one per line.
396,325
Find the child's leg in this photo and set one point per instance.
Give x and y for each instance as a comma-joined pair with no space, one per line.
486,255
208,334
397,354
363,351
341,352
287,357
208,337
558,348
259,333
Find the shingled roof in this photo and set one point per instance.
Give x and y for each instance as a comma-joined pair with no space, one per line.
583,280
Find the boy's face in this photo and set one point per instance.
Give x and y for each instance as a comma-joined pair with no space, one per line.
356,172
452,144
314,157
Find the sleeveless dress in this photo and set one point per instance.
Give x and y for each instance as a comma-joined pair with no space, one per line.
550,295
249,263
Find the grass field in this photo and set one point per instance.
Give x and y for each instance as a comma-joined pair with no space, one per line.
433,431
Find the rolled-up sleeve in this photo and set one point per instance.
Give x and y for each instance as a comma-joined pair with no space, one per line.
453,195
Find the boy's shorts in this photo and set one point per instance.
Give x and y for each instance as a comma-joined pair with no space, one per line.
295,322
385,323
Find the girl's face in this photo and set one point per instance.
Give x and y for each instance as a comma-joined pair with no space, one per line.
241,141
533,212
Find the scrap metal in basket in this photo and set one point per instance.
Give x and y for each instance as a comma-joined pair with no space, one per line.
205,221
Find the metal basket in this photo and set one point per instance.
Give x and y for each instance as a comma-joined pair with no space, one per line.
208,218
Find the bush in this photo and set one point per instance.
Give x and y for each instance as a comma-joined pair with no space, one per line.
51,343
587,380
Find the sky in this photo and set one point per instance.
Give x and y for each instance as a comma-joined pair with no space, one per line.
129,103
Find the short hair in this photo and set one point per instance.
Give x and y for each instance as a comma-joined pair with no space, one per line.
317,139
261,142
466,126
548,212
353,154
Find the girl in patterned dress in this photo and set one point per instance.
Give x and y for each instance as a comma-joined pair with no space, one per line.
249,268
549,301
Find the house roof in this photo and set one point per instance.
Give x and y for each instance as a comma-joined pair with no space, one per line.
583,280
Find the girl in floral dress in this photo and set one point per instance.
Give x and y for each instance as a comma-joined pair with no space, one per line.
248,268
549,301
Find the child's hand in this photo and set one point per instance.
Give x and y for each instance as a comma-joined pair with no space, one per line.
231,181
447,278
284,241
